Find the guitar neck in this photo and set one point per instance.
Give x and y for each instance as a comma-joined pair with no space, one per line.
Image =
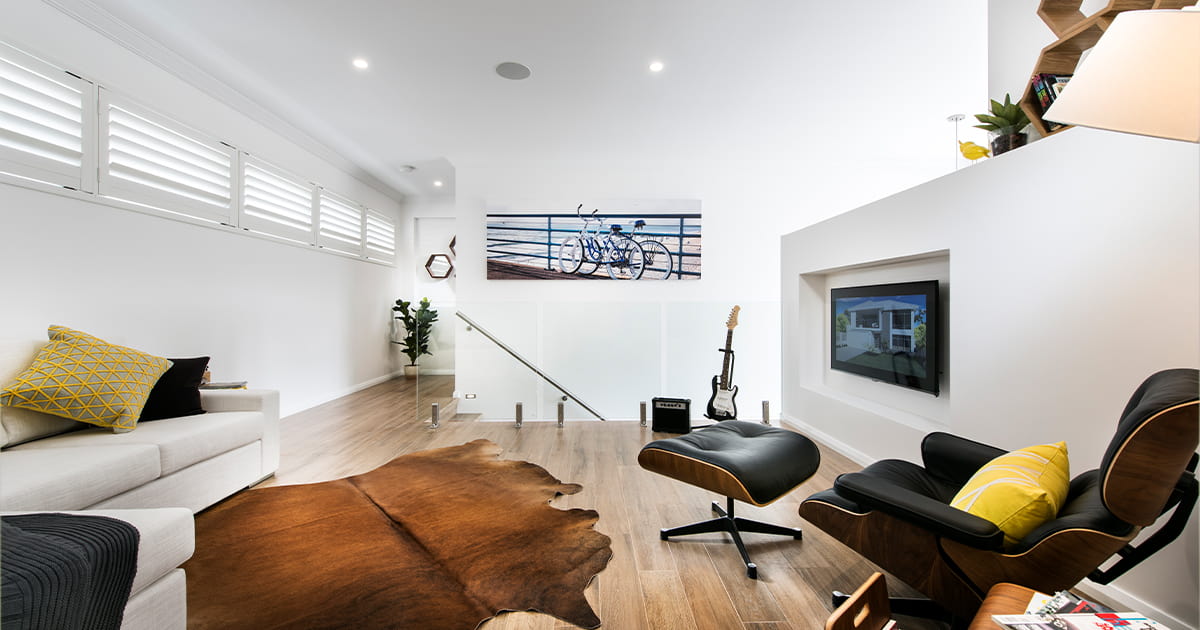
728,362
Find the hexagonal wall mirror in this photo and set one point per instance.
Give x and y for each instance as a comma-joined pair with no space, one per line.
439,266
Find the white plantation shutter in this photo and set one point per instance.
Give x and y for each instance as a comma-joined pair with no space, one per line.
149,159
276,202
381,237
62,130
42,126
341,224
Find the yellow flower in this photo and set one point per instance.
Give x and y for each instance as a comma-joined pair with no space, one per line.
973,151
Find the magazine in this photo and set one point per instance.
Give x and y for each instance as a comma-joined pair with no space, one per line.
1079,621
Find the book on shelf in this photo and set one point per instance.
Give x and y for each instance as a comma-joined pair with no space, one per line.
1060,81
1041,90
1047,87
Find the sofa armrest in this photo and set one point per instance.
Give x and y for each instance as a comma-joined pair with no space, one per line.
167,538
263,400
240,400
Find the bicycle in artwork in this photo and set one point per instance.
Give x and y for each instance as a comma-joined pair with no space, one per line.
621,255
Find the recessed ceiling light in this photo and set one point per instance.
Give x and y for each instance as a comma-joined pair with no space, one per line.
437,182
360,63
513,70
656,66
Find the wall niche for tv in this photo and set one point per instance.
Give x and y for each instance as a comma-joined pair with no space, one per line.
913,405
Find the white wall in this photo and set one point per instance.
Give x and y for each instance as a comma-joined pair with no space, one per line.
432,235
844,149
744,205
312,325
1074,273
1016,36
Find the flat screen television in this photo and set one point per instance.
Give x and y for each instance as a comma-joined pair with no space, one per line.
888,332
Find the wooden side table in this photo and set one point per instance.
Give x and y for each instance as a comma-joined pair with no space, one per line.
1002,599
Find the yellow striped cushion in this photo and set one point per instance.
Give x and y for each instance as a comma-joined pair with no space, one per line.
84,378
1018,491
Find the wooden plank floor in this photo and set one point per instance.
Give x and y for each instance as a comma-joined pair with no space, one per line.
695,582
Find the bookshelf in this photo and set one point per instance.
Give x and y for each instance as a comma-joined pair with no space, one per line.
1076,33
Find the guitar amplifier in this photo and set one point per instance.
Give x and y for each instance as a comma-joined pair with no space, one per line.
671,415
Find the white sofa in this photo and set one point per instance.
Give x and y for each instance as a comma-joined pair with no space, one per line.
154,477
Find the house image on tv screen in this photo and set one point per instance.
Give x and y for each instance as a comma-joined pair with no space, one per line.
872,331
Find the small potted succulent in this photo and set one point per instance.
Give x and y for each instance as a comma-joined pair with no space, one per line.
418,324
1004,124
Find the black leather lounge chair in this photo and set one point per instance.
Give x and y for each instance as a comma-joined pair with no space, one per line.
897,514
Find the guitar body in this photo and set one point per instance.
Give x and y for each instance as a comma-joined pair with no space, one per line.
721,405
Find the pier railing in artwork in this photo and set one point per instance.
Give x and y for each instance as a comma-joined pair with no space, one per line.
532,240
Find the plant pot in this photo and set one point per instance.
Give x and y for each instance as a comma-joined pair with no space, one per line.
410,371
1006,139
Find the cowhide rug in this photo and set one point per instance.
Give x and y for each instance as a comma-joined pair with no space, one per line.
438,540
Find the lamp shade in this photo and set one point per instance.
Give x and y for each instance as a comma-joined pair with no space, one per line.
1142,77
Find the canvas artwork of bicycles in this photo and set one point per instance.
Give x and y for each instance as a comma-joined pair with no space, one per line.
589,243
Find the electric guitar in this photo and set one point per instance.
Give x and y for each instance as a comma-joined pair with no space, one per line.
721,405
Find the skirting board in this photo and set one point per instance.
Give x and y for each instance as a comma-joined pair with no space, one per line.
346,392
1108,593
828,440
363,385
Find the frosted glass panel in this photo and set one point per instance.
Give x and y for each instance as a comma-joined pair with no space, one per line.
495,379
609,355
613,356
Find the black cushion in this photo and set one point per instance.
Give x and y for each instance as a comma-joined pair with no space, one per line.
177,392
1083,509
768,461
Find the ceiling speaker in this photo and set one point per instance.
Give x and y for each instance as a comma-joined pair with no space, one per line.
513,70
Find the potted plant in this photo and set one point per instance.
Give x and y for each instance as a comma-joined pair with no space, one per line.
418,324
1004,124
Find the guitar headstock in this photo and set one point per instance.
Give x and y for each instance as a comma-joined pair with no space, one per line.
731,323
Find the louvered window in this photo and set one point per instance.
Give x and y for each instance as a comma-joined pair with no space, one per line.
42,123
59,129
276,202
149,159
381,237
341,224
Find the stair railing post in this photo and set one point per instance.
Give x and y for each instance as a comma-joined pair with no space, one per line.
520,413
562,412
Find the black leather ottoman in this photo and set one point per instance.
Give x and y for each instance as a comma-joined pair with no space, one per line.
746,461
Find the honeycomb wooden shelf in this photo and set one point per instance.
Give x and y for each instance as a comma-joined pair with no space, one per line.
1076,33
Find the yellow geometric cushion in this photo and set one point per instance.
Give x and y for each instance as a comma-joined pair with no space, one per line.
85,378
1018,491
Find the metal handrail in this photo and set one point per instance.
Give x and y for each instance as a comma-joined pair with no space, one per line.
529,365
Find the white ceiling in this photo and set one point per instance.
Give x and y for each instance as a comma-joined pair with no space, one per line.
739,75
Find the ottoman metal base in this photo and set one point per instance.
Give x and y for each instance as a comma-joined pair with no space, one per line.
727,522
